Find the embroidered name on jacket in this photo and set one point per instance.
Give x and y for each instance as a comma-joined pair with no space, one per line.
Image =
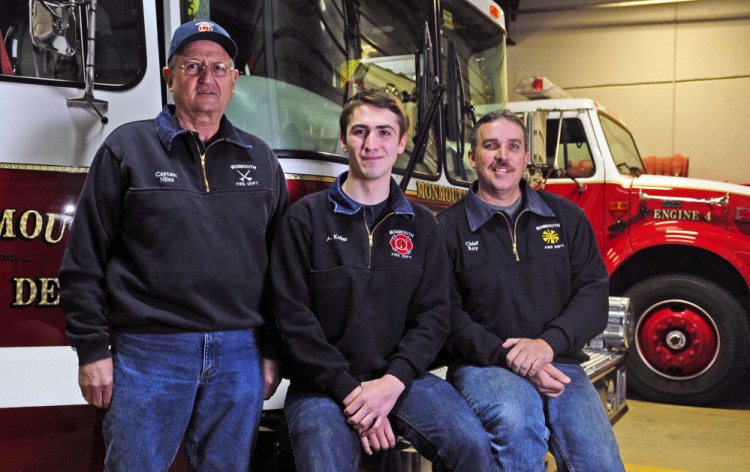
244,171
401,243
337,237
166,177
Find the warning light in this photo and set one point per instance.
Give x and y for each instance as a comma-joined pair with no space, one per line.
539,87
618,209
742,215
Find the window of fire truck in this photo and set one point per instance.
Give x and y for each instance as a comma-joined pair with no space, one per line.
573,154
119,39
622,146
299,61
480,48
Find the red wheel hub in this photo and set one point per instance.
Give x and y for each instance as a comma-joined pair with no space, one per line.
677,340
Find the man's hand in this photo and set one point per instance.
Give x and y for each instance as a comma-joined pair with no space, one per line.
271,377
378,439
367,408
527,356
95,380
549,381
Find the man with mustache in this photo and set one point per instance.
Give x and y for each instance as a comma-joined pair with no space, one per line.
528,290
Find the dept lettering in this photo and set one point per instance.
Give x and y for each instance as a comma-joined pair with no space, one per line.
42,292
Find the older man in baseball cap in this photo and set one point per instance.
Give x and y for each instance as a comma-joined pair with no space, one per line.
168,259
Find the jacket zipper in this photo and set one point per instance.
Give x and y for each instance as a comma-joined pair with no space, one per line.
513,234
203,159
371,233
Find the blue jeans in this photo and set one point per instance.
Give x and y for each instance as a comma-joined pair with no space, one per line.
206,387
429,413
523,424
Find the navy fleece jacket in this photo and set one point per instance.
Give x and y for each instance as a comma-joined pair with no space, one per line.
552,286
172,236
351,308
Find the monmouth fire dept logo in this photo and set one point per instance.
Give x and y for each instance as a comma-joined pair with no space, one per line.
401,244
205,27
550,236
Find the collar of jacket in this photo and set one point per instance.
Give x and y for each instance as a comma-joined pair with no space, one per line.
168,129
479,213
343,204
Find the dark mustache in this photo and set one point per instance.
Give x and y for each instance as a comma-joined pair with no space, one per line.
502,164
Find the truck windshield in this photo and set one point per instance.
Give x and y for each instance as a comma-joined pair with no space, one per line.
299,61
622,146
480,56
58,58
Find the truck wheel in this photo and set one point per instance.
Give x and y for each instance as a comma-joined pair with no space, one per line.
691,340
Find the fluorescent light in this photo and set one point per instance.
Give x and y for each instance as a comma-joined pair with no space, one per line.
632,3
638,3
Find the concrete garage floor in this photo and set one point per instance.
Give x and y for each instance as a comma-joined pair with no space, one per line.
657,437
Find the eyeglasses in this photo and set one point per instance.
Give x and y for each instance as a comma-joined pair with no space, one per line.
192,69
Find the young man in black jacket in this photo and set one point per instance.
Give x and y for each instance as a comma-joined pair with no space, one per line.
360,278
528,290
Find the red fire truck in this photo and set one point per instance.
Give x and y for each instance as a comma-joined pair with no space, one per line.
678,247
71,72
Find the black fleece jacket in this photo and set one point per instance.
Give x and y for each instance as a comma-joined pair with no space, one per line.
551,284
351,308
172,236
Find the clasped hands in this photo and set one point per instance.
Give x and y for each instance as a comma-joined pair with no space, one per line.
367,408
532,358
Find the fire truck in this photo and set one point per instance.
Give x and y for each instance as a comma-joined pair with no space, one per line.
73,71
678,247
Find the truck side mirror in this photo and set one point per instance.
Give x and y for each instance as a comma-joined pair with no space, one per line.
536,124
53,26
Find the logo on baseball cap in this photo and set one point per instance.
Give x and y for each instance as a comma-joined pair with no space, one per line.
201,30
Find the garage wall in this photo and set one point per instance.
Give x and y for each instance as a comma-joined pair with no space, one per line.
678,75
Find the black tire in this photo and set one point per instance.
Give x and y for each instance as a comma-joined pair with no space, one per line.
721,315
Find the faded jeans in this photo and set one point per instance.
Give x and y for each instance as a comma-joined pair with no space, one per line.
429,413
206,387
523,424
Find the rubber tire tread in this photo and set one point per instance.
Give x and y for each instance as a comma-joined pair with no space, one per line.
733,325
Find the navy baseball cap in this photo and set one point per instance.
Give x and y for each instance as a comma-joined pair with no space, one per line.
201,30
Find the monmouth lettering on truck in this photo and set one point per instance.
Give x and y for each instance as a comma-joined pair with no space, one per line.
71,73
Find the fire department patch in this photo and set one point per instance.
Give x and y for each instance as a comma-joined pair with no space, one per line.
205,27
550,236
401,243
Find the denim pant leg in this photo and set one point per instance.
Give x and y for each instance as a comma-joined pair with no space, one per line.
438,422
158,379
152,400
228,406
320,436
581,439
512,412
